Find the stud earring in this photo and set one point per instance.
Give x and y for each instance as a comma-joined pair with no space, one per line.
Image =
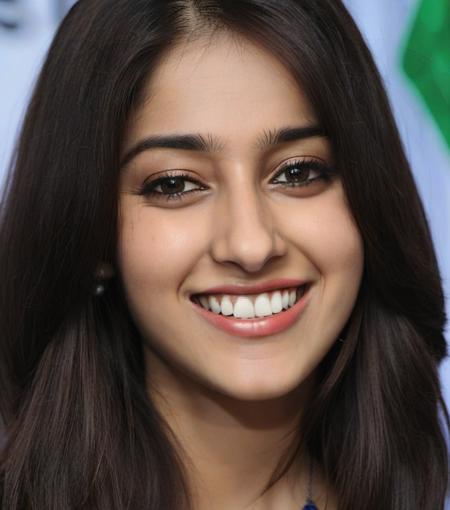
104,272
99,289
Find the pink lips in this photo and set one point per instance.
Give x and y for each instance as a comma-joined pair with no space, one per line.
256,288
257,327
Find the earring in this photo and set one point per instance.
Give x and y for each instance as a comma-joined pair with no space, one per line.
104,272
99,289
341,340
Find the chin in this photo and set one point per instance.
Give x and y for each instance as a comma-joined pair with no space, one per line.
257,395
261,390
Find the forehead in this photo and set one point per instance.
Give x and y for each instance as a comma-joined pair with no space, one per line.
226,86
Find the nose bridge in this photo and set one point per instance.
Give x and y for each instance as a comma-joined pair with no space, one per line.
245,229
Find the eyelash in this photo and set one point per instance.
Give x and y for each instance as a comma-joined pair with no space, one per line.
325,173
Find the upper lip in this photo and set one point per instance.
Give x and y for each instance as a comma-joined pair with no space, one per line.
254,288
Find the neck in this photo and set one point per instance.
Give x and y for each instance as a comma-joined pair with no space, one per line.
231,446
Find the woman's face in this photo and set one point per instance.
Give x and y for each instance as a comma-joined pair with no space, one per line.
237,222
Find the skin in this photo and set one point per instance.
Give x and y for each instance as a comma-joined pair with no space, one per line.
233,402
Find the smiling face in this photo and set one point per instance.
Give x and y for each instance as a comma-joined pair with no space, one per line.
244,216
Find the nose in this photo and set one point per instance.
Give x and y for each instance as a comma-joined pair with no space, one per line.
245,231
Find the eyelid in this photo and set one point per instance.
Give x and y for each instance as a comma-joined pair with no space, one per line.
181,172
164,174
317,164
300,159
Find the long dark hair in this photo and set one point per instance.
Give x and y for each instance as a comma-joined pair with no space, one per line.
81,430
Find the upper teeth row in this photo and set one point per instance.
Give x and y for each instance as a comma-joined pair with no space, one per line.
248,307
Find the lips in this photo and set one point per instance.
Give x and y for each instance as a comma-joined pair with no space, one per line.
255,327
256,288
262,304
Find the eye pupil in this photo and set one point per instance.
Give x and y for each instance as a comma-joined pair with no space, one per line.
295,172
172,185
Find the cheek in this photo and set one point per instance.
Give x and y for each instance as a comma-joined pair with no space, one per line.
329,238
336,249
338,246
332,250
155,248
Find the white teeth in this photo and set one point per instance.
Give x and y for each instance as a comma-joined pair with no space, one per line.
214,304
292,297
204,302
275,302
262,306
227,306
244,308
285,299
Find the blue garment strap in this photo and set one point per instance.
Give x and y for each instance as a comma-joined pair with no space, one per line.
310,505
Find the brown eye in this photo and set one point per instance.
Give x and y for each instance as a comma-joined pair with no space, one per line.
171,187
298,173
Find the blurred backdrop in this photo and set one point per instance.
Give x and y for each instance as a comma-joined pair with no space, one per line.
410,40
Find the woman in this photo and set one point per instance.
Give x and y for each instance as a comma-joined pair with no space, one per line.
219,288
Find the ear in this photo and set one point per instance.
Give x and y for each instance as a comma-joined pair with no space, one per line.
104,271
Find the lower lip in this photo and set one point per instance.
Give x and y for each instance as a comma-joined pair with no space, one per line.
257,327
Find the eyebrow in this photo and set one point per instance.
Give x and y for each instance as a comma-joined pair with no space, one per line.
209,143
